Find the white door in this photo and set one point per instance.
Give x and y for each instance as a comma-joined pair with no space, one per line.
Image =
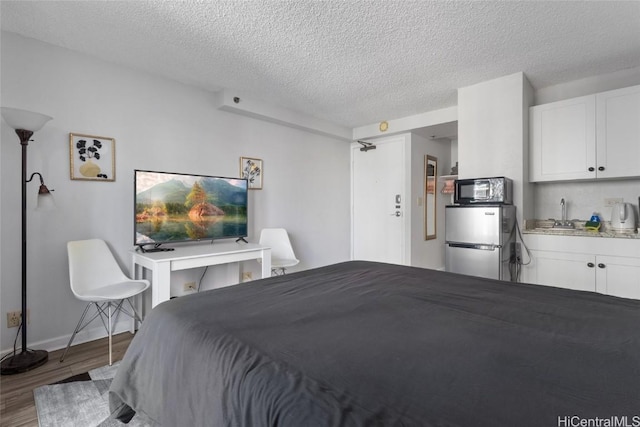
378,202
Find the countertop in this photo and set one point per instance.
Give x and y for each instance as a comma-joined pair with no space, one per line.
544,227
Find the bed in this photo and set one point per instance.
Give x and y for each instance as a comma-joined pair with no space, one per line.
371,344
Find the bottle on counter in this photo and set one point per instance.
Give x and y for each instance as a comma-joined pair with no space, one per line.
593,223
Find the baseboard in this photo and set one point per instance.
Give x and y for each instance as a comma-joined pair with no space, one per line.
83,336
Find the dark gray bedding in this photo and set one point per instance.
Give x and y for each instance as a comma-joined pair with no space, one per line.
368,344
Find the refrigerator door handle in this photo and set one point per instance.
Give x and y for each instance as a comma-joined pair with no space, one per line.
474,246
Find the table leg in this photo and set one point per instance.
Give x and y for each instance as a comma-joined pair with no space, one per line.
137,300
266,263
161,283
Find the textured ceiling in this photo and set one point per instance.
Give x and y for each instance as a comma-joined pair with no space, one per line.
349,62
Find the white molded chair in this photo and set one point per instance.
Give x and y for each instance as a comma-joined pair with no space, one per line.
282,255
96,277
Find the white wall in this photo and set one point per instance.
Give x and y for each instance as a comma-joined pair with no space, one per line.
454,155
492,137
588,86
157,124
583,198
428,253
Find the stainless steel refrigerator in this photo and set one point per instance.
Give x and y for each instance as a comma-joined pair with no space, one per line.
480,240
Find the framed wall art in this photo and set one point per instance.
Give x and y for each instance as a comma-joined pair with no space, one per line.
251,169
92,158
430,196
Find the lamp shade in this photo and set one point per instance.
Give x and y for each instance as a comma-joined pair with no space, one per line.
45,202
23,119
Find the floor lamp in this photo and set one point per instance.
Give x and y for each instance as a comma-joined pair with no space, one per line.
25,124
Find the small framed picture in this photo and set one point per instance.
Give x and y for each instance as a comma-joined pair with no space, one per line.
92,158
251,169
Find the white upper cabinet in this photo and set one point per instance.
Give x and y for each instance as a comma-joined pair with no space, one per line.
563,140
618,133
594,136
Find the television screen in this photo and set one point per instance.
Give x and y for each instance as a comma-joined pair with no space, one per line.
177,207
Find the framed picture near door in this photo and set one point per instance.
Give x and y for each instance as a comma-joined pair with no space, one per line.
430,196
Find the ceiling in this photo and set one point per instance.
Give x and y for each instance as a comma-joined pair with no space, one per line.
352,63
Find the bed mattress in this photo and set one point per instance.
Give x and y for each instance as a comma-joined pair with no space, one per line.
372,344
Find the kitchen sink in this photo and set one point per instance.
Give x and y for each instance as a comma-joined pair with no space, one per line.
564,225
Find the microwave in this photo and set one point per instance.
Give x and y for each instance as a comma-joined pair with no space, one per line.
498,190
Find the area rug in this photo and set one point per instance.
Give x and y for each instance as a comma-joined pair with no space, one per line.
81,401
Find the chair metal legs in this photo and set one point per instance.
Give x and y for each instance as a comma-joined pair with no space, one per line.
77,329
110,331
279,271
103,310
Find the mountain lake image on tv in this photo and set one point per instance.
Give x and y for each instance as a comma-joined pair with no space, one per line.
176,207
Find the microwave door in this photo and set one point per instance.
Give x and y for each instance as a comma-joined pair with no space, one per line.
473,224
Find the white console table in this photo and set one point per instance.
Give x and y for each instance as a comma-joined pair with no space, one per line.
185,257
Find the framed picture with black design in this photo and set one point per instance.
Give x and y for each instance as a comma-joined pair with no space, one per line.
92,158
251,169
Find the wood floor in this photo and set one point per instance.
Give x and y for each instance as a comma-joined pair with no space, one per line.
17,407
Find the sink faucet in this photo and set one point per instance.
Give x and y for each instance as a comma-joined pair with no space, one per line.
563,223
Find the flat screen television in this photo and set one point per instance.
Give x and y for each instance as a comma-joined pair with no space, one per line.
179,207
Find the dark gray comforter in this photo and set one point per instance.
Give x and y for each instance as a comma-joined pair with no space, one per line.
368,344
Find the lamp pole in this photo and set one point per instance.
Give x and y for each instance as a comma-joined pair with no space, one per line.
25,124
24,136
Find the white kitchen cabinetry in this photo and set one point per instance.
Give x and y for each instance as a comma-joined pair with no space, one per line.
589,137
618,276
563,140
618,133
564,270
609,266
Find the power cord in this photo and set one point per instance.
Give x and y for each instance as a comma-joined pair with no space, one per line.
15,343
515,263
525,248
202,277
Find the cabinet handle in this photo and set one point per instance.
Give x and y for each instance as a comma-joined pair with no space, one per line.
601,265
590,265
601,168
591,169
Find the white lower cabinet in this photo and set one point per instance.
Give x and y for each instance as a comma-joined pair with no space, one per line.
564,270
618,276
607,266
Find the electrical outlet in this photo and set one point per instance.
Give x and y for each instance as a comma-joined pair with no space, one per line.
612,201
13,319
246,276
190,286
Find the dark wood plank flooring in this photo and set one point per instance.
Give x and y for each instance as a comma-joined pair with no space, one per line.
17,407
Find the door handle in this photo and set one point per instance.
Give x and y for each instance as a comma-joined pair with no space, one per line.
474,246
590,265
601,265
